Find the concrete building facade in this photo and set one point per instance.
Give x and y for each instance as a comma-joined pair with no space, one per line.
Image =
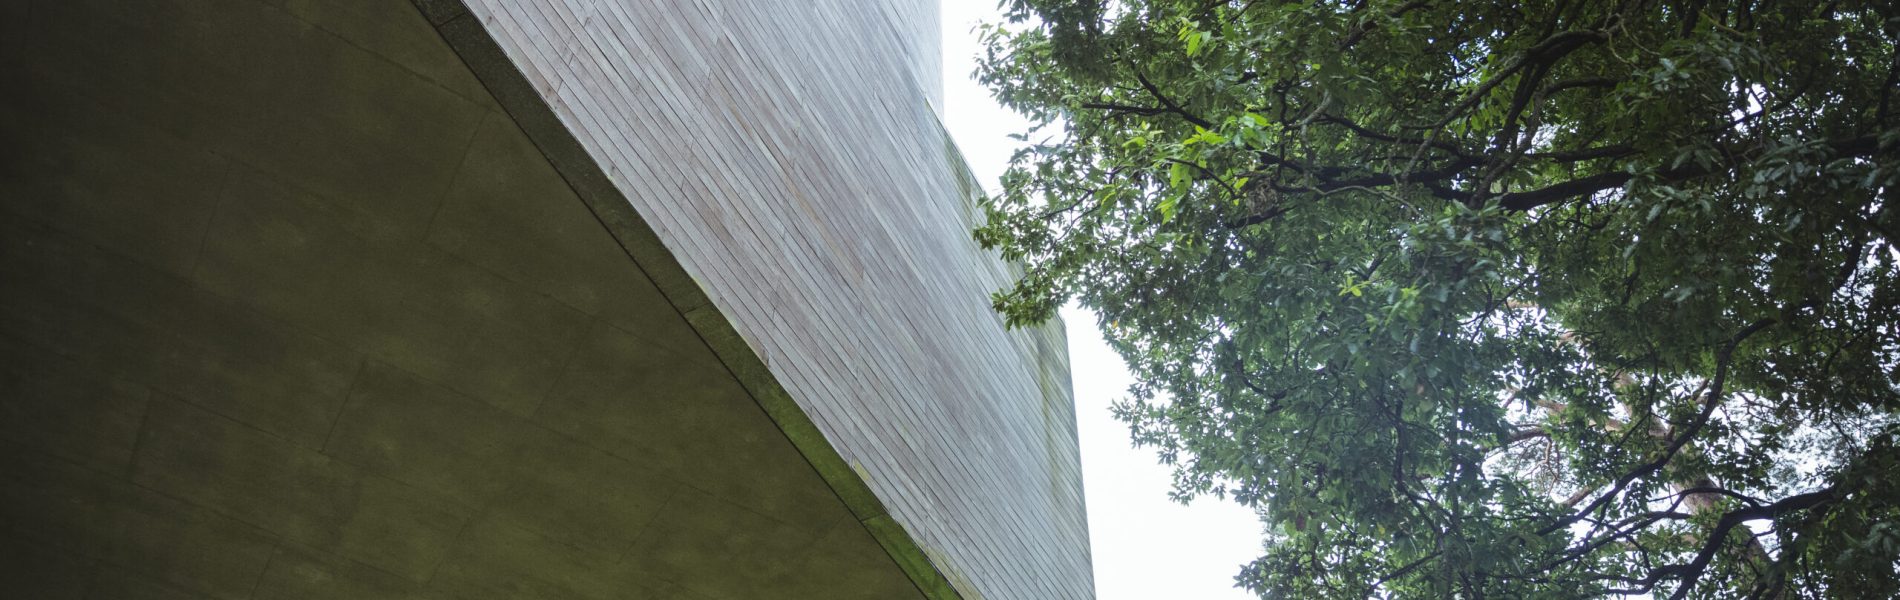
509,299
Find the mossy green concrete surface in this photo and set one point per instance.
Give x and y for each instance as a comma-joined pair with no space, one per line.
290,307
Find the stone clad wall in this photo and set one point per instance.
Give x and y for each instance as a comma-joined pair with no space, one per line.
787,154
917,25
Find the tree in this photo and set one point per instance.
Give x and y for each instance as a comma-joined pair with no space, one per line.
1558,298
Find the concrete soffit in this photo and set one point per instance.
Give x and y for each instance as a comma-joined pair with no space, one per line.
476,47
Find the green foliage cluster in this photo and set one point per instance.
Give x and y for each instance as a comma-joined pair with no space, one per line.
1553,298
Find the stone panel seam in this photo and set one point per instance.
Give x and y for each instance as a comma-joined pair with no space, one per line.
461,168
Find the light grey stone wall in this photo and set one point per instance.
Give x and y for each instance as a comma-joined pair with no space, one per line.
918,25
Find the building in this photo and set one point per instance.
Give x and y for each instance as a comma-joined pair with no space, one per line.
509,299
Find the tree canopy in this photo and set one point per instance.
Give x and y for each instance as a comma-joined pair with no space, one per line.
1554,298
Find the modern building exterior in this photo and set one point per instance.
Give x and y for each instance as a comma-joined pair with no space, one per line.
564,299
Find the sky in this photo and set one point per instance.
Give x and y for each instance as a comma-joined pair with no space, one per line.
1145,546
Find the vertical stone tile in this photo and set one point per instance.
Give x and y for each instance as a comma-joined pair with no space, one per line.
370,137
300,573
291,255
252,82
98,175
13,22
188,546
400,528
255,369
429,436
585,498
178,66
34,570
848,564
113,316
498,561
397,32
50,503
483,335
496,306
679,593
207,459
298,493
506,190
719,549
54,405
296,257
113,582
682,414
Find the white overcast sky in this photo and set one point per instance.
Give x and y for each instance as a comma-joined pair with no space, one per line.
1145,546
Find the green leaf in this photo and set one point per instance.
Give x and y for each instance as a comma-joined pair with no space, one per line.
1178,175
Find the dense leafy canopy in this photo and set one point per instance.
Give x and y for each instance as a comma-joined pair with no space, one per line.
1557,298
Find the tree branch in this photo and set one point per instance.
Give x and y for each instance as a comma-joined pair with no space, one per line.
1146,111
1545,52
1171,106
1691,572
1676,443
